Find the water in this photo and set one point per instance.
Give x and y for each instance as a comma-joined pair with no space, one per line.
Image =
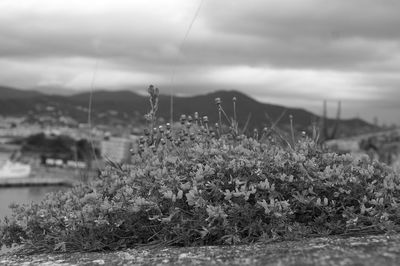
23,195
10,195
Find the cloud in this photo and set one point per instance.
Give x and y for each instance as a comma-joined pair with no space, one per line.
305,34
287,52
338,34
308,18
74,73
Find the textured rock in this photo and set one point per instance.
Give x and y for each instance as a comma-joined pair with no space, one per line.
365,250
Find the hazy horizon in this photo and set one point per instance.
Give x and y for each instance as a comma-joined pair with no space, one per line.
282,52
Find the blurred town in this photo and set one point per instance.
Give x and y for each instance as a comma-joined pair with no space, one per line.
52,145
52,136
61,146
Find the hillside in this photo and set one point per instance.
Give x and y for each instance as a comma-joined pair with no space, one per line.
127,107
13,93
247,108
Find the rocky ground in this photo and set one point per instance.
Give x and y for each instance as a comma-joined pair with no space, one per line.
365,250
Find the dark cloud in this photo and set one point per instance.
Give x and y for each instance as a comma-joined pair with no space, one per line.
335,34
287,52
315,19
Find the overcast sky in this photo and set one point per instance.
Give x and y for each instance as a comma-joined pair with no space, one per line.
294,53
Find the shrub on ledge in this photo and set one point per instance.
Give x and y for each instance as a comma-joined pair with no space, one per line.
197,186
214,192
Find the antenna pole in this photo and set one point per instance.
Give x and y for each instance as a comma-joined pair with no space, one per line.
172,109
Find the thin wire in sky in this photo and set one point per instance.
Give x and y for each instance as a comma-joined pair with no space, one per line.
196,14
90,110
180,49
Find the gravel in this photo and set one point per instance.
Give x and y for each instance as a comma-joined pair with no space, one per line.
362,250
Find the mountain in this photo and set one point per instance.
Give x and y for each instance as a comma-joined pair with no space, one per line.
129,102
53,90
247,108
18,102
13,93
129,107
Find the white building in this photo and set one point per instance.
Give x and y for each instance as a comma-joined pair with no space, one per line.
116,149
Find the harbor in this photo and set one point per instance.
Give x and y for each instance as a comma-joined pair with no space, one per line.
36,181
16,174
21,182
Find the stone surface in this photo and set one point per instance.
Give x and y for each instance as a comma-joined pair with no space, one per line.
365,250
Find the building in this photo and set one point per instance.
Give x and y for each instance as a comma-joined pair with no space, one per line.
116,149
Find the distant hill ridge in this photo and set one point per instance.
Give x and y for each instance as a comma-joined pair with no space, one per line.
13,93
127,103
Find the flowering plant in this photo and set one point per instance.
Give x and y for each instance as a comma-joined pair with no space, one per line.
192,187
